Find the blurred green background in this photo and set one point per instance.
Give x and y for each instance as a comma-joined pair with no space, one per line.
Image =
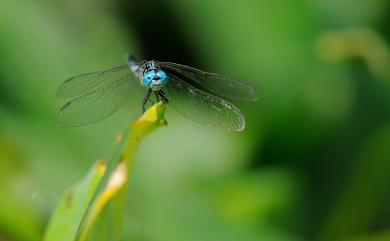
312,164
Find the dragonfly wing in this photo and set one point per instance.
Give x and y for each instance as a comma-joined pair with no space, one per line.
220,85
202,107
98,104
83,83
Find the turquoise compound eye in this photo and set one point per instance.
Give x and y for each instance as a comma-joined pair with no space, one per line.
163,76
148,79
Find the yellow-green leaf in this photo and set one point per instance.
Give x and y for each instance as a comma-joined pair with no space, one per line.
93,209
66,218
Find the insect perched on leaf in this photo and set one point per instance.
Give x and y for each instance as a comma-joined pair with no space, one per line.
197,95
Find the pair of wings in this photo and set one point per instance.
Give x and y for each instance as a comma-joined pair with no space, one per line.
196,94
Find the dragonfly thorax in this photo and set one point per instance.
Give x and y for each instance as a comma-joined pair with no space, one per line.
152,75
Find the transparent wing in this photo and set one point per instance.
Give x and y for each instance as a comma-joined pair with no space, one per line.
97,104
218,84
202,107
83,83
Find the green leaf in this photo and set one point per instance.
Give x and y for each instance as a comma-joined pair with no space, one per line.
69,213
361,201
105,219
93,209
375,236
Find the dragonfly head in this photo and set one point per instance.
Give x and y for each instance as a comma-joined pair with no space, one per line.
155,79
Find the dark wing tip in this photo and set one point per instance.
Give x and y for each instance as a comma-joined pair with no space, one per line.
241,128
251,91
61,90
59,93
250,95
254,97
242,125
59,115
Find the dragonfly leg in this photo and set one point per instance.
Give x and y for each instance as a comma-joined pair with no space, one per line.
150,99
157,96
163,96
147,96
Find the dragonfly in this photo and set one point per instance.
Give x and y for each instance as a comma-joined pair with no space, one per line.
200,96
